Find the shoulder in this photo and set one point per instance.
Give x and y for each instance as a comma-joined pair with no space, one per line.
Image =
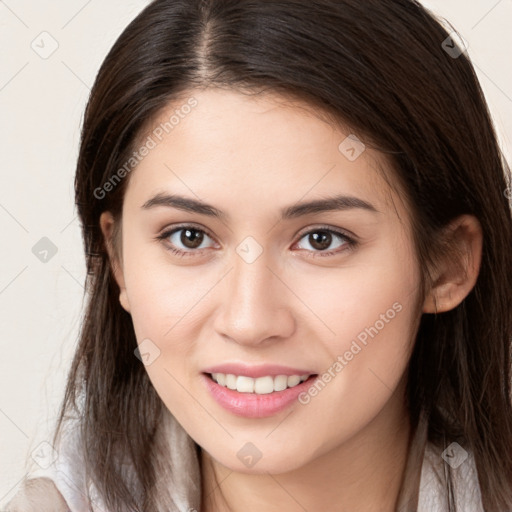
37,495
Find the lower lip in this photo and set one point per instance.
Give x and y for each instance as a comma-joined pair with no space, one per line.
252,405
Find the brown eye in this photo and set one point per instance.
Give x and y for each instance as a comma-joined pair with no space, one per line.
320,240
191,238
185,240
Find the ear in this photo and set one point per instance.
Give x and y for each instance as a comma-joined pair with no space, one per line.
107,224
457,274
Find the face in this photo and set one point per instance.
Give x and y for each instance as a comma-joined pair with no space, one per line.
324,292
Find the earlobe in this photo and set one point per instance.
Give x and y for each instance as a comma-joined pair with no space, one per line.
458,272
107,224
442,298
123,299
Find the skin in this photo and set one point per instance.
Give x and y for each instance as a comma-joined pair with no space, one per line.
250,156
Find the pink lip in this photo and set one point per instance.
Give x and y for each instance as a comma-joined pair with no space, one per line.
257,370
252,405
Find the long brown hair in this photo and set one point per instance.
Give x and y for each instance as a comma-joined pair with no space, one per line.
380,66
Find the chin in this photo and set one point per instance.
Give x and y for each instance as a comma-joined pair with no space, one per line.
275,464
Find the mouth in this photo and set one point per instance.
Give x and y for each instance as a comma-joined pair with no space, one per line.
256,397
259,386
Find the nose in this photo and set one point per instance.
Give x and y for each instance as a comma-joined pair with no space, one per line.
255,305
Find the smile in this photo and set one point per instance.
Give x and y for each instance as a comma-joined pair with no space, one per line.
261,385
266,398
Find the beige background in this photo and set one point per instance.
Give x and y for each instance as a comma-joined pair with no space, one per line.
41,105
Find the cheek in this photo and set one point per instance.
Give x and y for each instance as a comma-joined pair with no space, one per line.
366,331
161,303
374,296
370,311
167,308
160,294
365,368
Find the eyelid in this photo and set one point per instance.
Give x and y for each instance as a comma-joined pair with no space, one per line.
326,227
177,227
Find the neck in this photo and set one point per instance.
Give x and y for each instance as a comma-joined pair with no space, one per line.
363,473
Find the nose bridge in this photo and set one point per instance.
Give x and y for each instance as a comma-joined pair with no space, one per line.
251,281
253,308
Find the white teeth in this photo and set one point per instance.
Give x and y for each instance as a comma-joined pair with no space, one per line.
293,380
220,378
261,385
280,382
244,384
231,381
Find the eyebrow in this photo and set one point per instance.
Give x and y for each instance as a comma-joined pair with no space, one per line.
187,204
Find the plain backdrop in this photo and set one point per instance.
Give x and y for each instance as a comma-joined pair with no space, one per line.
42,99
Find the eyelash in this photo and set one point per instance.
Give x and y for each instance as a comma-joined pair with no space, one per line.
349,244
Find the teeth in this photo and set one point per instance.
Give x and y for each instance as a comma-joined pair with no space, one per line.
261,385
231,381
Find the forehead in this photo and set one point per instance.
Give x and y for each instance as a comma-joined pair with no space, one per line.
266,150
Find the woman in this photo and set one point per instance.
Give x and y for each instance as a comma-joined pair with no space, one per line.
299,270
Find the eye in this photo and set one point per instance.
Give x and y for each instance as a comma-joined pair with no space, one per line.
322,238
190,237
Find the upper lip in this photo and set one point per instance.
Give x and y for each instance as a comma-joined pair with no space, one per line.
256,371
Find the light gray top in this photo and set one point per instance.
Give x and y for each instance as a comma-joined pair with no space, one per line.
67,472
